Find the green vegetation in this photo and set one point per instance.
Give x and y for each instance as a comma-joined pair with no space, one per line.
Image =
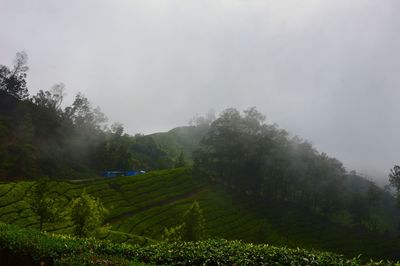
394,179
141,207
30,246
40,138
180,161
42,204
243,152
192,227
253,181
86,214
179,140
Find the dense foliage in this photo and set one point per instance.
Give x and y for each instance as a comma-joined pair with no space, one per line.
242,151
87,214
192,227
40,137
41,202
63,250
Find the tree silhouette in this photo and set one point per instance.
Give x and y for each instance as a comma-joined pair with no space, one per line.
12,81
394,180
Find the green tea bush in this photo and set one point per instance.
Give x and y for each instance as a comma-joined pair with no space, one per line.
66,250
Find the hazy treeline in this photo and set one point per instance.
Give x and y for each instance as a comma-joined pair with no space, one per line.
243,152
40,137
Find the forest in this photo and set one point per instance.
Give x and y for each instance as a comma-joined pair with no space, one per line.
40,136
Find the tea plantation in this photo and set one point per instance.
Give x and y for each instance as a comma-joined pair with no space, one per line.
30,247
140,207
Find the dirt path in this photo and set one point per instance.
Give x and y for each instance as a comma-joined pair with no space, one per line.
77,181
168,201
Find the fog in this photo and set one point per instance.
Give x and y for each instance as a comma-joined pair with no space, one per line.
324,70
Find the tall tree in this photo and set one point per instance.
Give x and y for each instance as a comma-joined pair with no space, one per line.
12,81
193,223
358,208
374,196
41,201
180,161
234,148
51,99
192,227
84,116
242,151
394,180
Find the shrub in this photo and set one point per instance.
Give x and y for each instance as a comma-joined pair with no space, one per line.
65,250
87,214
192,227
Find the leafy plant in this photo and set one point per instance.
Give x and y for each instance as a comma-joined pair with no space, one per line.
31,247
192,227
87,214
41,202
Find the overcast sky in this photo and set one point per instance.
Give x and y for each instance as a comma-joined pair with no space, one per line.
328,71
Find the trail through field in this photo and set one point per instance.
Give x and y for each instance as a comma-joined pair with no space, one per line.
77,181
168,201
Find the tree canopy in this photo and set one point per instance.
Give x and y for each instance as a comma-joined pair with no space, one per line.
242,151
43,135
12,81
87,214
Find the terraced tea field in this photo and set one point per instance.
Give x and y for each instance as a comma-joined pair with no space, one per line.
140,207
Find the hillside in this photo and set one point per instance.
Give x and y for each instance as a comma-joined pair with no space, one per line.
254,181
181,139
142,206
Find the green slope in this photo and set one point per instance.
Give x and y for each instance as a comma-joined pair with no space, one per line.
142,206
180,139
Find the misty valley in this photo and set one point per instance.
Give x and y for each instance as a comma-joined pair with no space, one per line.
228,189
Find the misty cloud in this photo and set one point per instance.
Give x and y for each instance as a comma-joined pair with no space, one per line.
324,70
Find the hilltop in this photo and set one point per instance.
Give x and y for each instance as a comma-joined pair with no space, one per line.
185,139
